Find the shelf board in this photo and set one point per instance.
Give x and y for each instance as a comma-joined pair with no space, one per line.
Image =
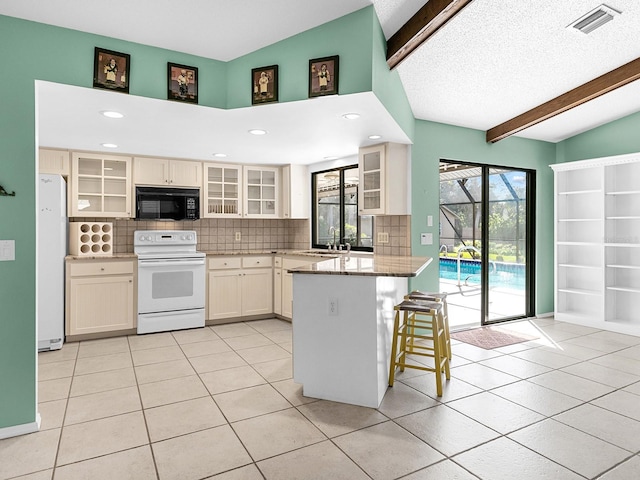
624,217
580,291
624,289
630,267
630,245
574,265
628,192
587,244
580,192
578,220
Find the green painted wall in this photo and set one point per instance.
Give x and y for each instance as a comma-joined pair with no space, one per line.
348,36
32,51
614,138
436,141
29,52
387,84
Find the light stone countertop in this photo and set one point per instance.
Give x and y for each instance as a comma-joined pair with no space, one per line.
114,256
372,265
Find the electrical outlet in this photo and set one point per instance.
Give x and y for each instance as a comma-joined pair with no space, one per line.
426,239
238,236
383,237
332,307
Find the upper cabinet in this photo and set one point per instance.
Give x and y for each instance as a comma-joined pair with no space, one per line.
172,173
54,162
385,187
261,192
296,191
222,195
100,185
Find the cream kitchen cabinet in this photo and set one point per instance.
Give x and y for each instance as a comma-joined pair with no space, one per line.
100,185
239,287
286,299
261,192
277,285
162,171
385,187
296,191
222,191
54,162
100,296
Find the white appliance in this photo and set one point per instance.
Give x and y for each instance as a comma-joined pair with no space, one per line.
171,280
52,248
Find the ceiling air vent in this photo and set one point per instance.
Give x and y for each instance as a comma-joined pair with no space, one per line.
594,19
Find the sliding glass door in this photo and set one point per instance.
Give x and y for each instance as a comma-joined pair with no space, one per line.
486,242
507,241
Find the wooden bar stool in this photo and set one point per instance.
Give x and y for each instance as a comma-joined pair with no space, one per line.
408,327
440,297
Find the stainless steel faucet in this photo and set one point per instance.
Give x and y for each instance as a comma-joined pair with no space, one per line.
332,231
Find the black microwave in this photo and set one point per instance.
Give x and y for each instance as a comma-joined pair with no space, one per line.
160,203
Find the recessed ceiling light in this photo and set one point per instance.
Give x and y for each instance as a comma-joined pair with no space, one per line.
331,158
374,137
257,131
220,155
351,116
112,114
109,145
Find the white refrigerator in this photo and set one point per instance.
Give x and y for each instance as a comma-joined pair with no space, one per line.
52,248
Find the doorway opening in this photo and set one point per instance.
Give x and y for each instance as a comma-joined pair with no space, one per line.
487,233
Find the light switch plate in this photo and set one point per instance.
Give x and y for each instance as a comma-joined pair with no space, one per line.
7,250
429,220
383,237
426,239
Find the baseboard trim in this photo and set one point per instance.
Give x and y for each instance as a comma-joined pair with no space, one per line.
544,315
23,429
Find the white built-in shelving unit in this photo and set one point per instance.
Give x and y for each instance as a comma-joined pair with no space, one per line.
597,243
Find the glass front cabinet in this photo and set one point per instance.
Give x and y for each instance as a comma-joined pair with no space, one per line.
101,185
222,191
261,192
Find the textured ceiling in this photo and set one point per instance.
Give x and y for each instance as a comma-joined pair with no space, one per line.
500,58
494,60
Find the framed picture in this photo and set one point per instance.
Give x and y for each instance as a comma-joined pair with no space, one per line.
111,70
264,85
323,76
182,83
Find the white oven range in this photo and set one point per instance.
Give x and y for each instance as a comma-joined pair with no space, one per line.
171,280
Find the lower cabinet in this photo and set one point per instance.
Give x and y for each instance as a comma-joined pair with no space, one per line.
100,296
240,287
286,288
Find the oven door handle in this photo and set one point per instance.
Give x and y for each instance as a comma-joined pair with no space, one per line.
165,262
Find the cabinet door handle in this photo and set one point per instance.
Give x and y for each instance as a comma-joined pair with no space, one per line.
102,269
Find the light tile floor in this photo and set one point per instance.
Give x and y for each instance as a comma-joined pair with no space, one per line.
219,402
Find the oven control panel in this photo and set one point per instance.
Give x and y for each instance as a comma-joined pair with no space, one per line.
164,237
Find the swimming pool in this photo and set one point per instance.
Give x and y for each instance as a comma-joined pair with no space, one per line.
502,274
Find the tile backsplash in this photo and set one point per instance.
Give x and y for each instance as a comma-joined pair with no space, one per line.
399,229
219,234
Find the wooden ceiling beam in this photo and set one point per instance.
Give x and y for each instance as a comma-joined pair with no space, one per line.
606,83
427,21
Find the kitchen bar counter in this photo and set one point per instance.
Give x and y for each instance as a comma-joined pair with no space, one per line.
369,265
342,325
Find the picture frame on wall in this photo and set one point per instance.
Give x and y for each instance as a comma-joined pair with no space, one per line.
323,76
264,85
111,70
182,83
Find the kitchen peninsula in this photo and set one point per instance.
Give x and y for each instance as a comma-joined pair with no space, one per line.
343,321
